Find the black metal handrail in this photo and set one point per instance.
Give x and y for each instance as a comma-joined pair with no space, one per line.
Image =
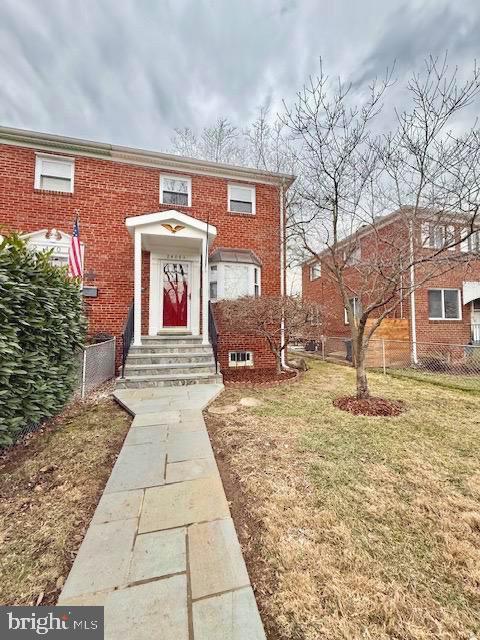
213,334
127,337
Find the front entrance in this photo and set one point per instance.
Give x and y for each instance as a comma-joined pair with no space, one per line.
176,294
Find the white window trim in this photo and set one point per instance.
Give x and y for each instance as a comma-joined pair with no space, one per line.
355,306
429,238
254,198
40,157
220,278
443,318
235,364
171,176
317,265
467,244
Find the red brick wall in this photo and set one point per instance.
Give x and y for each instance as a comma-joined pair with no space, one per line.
106,192
325,290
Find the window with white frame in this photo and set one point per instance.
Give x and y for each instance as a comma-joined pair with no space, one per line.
241,199
231,280
240,358
176,190
315,270
356,307
213,282
470,243
256,282
438,236
444,304
54,173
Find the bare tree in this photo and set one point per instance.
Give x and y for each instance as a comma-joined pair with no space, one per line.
350,176
221,142
263,317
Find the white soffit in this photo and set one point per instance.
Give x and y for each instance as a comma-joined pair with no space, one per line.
471,291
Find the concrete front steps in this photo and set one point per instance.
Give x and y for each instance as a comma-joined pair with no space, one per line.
167,361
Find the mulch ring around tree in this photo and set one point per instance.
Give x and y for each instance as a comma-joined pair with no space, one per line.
369,406
265,377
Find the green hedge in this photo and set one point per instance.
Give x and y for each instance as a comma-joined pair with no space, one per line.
42,329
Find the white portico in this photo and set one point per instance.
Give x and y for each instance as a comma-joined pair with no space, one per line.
178,246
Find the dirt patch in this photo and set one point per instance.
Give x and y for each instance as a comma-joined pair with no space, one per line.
248,376
369,406
50,485
248,527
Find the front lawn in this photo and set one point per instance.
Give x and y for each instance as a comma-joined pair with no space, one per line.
353,527
49,489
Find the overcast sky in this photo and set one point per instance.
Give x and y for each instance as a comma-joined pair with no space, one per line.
129,71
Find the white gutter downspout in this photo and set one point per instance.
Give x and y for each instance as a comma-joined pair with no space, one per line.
282,268
413,313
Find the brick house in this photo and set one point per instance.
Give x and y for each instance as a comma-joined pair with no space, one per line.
163,232
446,309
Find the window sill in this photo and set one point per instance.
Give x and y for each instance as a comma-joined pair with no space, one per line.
240,213
175,206
49,192
443,320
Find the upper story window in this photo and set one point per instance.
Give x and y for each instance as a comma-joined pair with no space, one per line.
54,173
444,304
472,243
315,271
176,190
438,236
241,199
234,274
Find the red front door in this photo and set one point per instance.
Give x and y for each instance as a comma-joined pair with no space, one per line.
175,294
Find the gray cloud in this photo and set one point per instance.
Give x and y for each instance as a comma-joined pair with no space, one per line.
130,71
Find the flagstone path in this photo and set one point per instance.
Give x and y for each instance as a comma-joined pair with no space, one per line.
161,553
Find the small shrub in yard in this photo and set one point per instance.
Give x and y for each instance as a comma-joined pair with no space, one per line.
42,328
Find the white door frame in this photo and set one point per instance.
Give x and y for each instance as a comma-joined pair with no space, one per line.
155,322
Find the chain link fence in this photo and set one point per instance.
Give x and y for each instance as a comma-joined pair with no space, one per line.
456,365
96,366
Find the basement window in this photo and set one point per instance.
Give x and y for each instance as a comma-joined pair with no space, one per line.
54,173
240,358
176,190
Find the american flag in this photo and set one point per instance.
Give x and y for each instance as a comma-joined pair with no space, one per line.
74,254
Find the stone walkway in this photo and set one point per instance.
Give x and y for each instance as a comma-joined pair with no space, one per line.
161,553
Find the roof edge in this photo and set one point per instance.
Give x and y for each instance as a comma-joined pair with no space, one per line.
131,155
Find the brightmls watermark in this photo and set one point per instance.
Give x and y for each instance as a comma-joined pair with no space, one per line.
57,623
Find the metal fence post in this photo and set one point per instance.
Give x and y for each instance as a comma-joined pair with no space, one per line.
383,356
323,348
84,372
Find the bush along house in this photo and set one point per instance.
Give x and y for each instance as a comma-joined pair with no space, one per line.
438,301
162,239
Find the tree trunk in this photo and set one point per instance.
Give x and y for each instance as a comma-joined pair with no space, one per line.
278,359
362,382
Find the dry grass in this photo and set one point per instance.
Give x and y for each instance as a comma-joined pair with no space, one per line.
49,489
356,527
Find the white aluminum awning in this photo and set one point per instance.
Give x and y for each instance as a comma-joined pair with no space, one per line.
471,291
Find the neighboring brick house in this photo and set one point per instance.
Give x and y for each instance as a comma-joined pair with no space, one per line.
446,308
148,223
